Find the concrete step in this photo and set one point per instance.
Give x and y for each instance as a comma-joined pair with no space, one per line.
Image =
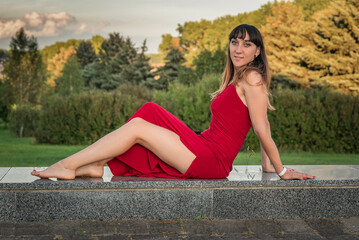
247,193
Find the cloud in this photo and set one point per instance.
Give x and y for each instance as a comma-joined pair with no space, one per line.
9,28
47,25
90,28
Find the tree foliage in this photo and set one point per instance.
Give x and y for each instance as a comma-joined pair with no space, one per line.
71,80
85,53
118,62
56,64
333,55
173,70
23,73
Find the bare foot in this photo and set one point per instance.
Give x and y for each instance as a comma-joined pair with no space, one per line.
56,170
94,170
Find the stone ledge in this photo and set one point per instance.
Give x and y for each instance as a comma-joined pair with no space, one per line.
246,193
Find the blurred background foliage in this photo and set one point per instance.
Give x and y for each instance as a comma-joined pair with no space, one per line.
76,91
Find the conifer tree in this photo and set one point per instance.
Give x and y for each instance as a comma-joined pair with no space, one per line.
24,76
139,71
24,73
119,62
283,34
332,57
170,71
85,53
71,80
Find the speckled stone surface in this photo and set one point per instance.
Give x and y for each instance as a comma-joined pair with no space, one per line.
72,205
246,193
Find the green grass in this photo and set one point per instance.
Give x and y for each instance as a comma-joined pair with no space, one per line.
22,152
303,158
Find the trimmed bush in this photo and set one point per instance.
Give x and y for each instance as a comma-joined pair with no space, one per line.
191,104
86,117
311,120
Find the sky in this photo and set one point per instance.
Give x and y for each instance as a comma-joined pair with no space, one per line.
59,20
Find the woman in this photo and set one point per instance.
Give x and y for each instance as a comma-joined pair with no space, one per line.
154,143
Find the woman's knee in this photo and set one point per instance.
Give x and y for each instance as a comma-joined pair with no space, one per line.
149,106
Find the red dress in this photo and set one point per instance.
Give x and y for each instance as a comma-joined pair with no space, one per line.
215,148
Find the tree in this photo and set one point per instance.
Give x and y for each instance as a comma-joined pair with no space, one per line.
139,71
170,71
24,73
71,80
118,63
97,40
284,33
332,55
309,7
56,64
85,53
208,62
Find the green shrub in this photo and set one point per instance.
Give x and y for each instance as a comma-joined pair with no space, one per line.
23,119
191,104
85,117
313,120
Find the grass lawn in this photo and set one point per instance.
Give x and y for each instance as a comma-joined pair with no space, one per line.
21,152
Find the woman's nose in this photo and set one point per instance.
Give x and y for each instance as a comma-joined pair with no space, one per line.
238,48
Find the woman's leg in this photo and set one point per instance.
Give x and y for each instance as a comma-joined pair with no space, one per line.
92,170
162,142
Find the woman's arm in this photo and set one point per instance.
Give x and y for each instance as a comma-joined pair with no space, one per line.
256,98
266,166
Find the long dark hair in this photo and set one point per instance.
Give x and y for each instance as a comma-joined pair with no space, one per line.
259,64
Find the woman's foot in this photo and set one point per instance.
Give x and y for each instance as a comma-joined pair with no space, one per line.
56,170
94,170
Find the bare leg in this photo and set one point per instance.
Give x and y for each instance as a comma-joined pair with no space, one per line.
92,170
162,142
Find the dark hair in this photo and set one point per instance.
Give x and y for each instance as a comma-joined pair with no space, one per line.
259,64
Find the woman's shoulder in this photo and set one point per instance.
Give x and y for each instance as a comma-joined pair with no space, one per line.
253,78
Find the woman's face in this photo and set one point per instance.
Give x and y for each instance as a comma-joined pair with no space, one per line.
242,51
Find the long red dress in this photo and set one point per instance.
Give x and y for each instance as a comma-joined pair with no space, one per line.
215,148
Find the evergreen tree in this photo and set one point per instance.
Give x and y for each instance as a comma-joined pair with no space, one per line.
85,53
118,63
140,70
284,33
309,7
71,80
24,74
332,55
170,71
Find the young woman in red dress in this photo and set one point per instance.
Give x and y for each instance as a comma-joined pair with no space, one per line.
154,143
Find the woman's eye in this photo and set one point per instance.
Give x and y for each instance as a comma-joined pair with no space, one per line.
233,42
247,44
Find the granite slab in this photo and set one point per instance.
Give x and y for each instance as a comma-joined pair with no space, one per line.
240,176
3,172
246,193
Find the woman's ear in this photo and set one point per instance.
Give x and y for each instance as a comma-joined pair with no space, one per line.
258,51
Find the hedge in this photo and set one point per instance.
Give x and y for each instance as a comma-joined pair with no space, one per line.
305,120
85,117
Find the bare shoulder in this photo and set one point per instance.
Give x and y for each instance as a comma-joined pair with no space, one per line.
254,78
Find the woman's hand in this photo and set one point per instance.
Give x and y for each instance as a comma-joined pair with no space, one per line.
288,175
